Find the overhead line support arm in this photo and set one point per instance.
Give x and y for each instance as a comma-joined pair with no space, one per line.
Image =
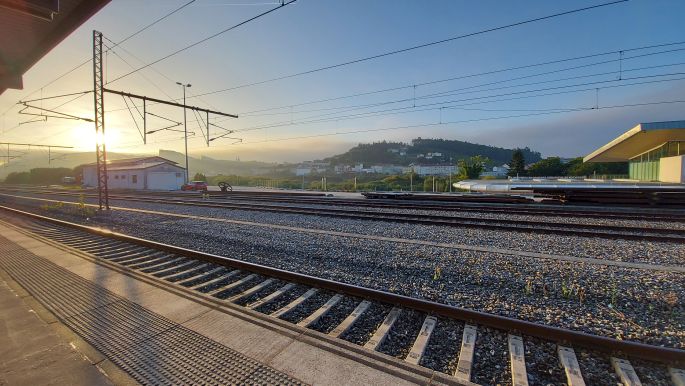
161,101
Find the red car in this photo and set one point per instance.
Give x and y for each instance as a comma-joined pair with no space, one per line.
195,185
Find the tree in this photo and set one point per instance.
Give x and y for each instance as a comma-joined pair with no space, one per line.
548,167
576,167
40,176
200,177
18,178
517,166
472,167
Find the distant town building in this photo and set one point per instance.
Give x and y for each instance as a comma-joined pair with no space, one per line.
153,173
401,151
497,171
340,169
388,169
434,170
310,167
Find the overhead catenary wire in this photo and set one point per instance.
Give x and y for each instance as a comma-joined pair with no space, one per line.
251,113
402,100
556,61
415,47
460,91
440,105
211,37
175,10
432,124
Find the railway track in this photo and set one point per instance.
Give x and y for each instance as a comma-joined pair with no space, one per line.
510,225
623,213
467,345
665,215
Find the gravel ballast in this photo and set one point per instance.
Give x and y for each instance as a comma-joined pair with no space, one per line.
619,302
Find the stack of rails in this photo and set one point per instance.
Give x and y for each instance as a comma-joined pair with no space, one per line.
492,198
653,196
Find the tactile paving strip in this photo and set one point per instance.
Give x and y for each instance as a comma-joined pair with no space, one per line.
149,347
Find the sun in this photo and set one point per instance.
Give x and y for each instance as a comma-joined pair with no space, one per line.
84,138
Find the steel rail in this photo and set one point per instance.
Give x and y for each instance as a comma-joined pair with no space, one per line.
521,226
560,335
468,205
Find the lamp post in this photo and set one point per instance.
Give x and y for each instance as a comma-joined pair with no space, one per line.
185,125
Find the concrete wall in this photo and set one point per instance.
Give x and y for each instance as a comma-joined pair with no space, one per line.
164,177
126,179
671,169
90,176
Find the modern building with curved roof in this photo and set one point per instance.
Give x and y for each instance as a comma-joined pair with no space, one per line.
655,151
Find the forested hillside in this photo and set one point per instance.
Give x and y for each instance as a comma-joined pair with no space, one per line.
419,148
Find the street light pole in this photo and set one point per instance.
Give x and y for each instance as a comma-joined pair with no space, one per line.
185,125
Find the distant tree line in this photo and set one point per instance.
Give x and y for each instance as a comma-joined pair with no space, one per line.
40,176
380,152
555,167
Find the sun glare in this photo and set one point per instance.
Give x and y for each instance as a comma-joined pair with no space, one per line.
84,137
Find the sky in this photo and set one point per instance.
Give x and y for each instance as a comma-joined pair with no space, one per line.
615,66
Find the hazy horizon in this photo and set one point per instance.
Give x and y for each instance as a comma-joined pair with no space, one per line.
550,108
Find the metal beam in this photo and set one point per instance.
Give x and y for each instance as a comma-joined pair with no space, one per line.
33,144
161,101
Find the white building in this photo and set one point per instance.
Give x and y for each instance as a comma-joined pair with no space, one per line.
153,173
308,167
497,171
435,170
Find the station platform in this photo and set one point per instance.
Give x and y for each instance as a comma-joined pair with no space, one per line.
32,353
98,325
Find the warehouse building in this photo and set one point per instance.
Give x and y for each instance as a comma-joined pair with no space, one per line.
153,173
655,151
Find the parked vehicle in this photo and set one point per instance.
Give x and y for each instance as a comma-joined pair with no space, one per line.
195,185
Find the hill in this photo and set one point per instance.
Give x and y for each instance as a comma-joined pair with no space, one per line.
424,151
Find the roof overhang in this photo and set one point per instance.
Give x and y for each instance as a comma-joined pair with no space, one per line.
29,29
639,139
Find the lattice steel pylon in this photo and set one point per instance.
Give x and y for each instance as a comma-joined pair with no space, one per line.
98,96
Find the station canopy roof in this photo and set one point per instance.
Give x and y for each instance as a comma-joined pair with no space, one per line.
639,139
29,29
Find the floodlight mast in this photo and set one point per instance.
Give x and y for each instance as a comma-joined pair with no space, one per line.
185,126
